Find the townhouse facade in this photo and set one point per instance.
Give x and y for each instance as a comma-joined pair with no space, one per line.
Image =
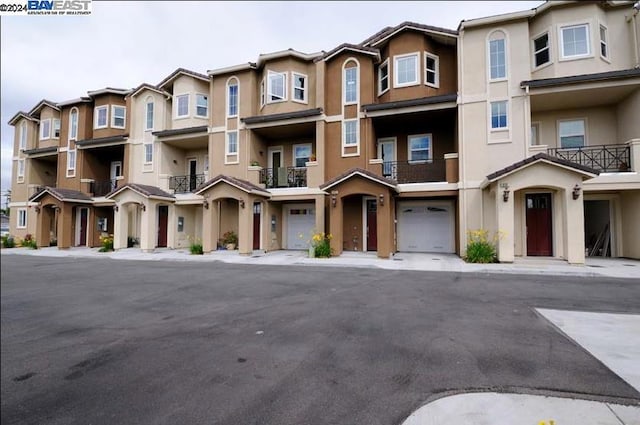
522,124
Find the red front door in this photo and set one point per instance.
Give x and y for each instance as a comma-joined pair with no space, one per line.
372,225
163,219
256,225
539,242
84,212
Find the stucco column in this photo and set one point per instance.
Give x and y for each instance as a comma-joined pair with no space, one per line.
335,224
149,227
171,227
65,228
384,228
319,225
505,225
42,234
245,227
120,227
574,227
209,217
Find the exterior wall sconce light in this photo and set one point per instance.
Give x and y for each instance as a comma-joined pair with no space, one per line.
381,199
143,207
205,204
334,198
37,208
505,193
576,192
241,202
116,208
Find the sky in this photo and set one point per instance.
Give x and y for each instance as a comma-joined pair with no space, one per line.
123,44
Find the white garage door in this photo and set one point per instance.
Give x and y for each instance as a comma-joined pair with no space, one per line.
425,226
300,221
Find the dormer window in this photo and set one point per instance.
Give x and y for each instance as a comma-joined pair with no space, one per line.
45,129
100,119
182,106
118,116
276,87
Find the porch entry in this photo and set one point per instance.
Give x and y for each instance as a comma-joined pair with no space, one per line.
539,226
82,218
163,220
257,210
371,224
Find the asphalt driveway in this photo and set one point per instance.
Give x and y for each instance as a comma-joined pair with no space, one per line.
109,341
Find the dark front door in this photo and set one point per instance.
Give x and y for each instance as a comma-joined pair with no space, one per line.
84,212
256,225
192,174
372,225
539,224
163,219
276,163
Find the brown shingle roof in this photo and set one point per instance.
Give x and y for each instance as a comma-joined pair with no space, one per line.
430,100
143,189
179,131
351,47
407,24
88,142
65,195
178,71
239,183
361,172
36,151
541,157
584,78
282,116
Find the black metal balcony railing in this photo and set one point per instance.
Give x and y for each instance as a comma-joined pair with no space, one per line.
604,158
185,184
433,170
284,177
34,190
101,188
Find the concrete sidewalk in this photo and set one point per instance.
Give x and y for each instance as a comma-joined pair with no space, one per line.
605,267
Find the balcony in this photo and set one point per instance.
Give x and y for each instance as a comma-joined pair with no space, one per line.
185,184
284,177
34,190
102,188
604,158
433,170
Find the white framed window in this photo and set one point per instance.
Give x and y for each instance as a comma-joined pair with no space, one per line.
604,47
149,114
73,124
56,128
231,147
499,115
45,129
498,56
118,116
202,105
301,154
232,98
148,153
405,70
20,170
419,147
431,70
23,136
182,106
22,218
535,134
71,163
100,119
571,133
350,85
276,87
541,53
299,87
383,77
350,132
574,41
262,93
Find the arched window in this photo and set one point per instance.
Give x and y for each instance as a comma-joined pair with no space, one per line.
232,97
149,111
497,55
350,77
73,124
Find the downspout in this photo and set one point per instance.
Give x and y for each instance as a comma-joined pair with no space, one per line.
634,14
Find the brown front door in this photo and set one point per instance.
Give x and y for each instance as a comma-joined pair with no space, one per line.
163,219
84,212
372,225
256,225
539,224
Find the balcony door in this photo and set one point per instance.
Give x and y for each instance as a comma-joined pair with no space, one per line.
274,162
116,172
192,165
387,153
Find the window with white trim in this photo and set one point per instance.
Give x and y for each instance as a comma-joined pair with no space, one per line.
541,54
262,94
45,129
232,143
71,163
232,99
118,114
182,106
23,135
499,115
431,70
535,134
22,218
101,117
350,132
73,124
497,56
604,48
351,85
299,87
406,70
419,147
301,155
148,152
276,87
149,114
575,41
571,133
202,105
383,77
56,128
20,170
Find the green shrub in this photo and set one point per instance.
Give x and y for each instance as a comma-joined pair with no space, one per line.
8,241
29,242
321,245
479,248
229,237
107,243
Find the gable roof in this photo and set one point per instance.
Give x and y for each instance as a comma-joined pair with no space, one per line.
42,104
147,191
21,115
243,185
82,99
109,90
231,69
382,36
583,78
347,47
264,57
147,86
63,195
181,71
366,174
542,157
